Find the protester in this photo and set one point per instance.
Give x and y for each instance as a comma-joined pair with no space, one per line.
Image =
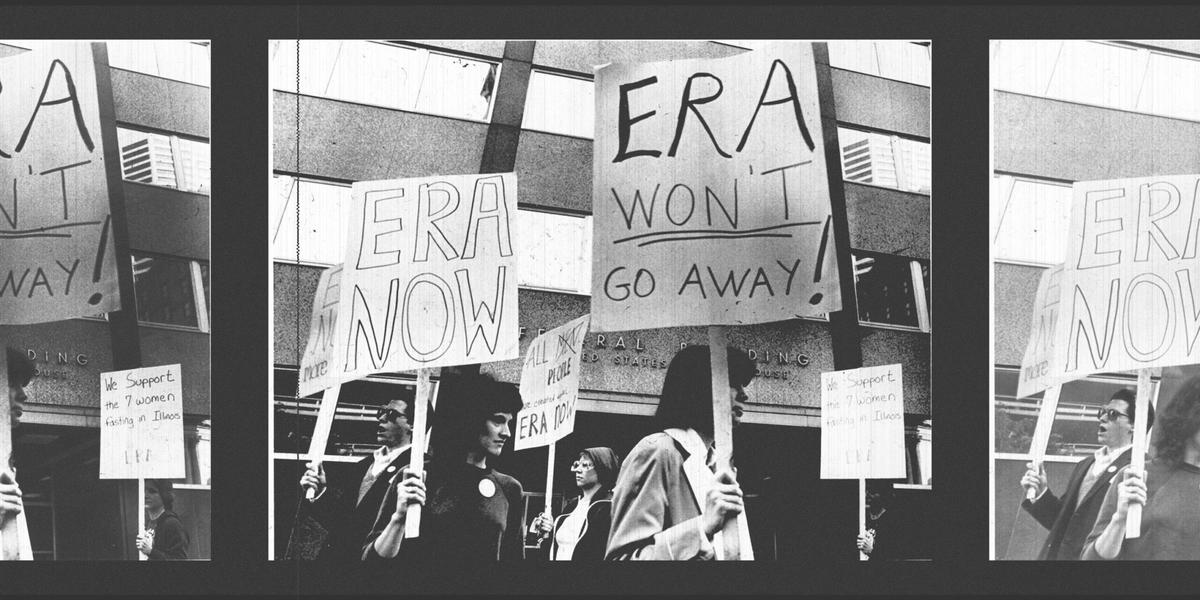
668,504
1169,492
349,509
581,531
1070,518
20,372
879,540
472,513
164,538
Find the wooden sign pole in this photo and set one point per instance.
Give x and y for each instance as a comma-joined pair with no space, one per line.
862,512
723,425
1137,460
416,463
8,527
1041,431
141,524
326,412
549,475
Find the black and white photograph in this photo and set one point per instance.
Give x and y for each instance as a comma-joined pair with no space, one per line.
703,330
104,300
1095,299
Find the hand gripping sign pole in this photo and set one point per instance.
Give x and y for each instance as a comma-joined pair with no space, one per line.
1137,461
723,427
416,464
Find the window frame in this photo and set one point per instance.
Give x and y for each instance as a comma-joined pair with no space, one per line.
890,134
920,299
551,71
171,137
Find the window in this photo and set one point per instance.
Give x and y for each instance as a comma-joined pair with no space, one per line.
1073,433
553,250
892,290
169,161
1028,218
1101,74
560,104
169,290
885,160
388,75
323,220
903,61
173,59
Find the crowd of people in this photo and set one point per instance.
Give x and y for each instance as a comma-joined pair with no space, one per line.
1088,521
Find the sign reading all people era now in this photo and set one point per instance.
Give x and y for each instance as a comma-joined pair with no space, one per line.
316,370
710,192
1130,290
862,424
141,424
57,257
550,385
1038,369
430,274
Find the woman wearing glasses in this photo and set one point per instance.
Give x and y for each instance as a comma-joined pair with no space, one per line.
581,532
1169,492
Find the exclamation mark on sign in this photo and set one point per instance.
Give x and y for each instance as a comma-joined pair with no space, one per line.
816,298
95,299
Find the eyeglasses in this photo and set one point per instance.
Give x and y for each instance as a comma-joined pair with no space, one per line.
585,466
1111,413
388,414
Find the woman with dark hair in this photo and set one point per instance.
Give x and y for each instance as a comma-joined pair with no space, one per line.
668,504
1169,492
471,511
165,538
581,531
20,371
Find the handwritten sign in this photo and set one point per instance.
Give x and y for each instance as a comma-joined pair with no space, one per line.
316,371
550,385
141,424
430,276
862,424
1130,294
1038,367
710,192
57,258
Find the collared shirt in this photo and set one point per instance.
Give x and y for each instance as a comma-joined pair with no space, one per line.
384,457
1105,457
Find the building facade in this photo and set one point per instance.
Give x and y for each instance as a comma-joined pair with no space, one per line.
160,93
1067,111
381,110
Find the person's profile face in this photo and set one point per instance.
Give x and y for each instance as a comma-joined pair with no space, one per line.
737,402
153,498
1115,428
393,427
16,402
495,433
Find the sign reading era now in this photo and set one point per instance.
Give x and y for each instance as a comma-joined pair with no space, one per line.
141,424
862,424
550,385
57,256
430,275
316,370
710,192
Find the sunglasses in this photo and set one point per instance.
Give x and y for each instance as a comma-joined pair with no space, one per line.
388,414
1111,413
586,466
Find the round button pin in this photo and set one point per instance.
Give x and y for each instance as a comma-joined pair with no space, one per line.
486,488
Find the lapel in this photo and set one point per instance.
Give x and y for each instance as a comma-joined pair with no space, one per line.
386,477
699,478
1070,500
1104,478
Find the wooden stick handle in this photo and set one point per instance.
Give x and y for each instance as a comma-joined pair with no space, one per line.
862,513
723,426
1137,460
1041,432
326,414
416,463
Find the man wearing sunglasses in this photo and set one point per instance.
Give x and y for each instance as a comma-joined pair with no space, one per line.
348,510
1071,517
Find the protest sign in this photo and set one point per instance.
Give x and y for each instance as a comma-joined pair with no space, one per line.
862,424
1130,292
550,385
141,424
710,193
57,253
429,277
316,372
1038,370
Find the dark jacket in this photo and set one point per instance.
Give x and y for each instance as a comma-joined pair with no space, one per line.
593,540
348,519
1070,525
170,539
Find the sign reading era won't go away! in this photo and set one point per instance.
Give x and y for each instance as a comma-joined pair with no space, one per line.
57,256
430,275
710,192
